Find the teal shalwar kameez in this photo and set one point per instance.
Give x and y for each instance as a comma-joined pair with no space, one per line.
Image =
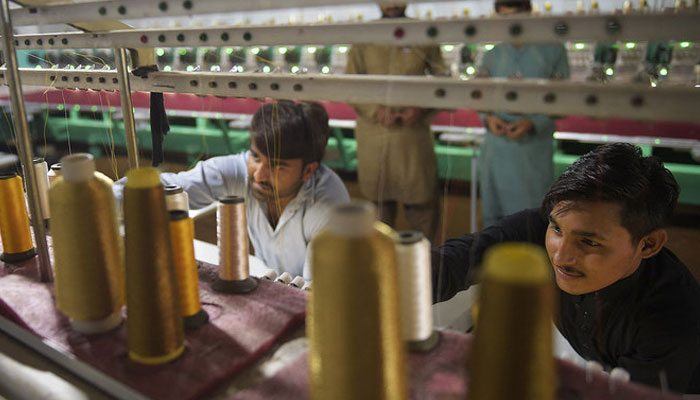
516,174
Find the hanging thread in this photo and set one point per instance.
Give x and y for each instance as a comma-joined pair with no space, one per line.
232,235
415,291
155,330
182,236
14,222
355,346
176,198
87,248
513,339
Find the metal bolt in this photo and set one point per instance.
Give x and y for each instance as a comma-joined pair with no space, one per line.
470,30
561,28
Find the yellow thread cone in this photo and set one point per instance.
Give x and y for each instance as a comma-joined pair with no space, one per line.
154,320
356,350
88,253
14,221
512,356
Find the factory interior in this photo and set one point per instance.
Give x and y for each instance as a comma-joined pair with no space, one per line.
165,267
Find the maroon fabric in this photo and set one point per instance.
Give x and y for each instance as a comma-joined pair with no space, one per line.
242,328
440,374
336,110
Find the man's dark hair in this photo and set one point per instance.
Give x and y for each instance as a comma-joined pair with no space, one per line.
618,173
285,130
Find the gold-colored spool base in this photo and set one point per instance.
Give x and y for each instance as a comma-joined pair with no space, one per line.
16,257
196,320
243,286
425,345
157,360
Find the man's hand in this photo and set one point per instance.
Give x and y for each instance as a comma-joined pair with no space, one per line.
411,115
518,129
385,116
495,125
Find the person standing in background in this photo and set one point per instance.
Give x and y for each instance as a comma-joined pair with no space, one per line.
396,160
515,162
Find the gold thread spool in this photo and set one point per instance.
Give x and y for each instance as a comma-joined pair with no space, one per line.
176,198
232,235
355,345
14,222
87,247
155,332
415,291
182,236
54,172
513,340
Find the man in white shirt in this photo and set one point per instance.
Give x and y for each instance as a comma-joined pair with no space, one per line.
288,191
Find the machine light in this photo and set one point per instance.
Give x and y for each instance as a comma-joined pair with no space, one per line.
342,49
580,46
663,71
311,50
685,44
167,68
470,70
160,52
448,48
93,108
76,107
609,71
190,68
325,69
183,52
294,69
488,47
630,45
267,68
283,50
229,50
255,50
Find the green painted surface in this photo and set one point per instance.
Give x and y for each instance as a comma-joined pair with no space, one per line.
202,137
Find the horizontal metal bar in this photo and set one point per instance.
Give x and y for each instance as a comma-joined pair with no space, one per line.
132,9
635,101
681,27
68,361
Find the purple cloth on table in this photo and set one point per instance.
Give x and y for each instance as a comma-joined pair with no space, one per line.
241,329
440,374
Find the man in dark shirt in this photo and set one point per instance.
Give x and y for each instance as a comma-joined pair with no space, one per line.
625,300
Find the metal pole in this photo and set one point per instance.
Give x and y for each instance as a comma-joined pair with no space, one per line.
24,144
127,108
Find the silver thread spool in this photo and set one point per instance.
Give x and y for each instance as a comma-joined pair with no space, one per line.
232,235
297,282
415,291
284,278
176,198
42,182
270,275
54,172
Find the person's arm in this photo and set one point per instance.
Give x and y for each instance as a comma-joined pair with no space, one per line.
356,65
206,182
456,263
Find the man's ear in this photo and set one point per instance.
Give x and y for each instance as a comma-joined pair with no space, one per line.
309,170
653,242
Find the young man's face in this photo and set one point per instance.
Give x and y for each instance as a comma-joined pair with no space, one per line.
273,179
588,247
